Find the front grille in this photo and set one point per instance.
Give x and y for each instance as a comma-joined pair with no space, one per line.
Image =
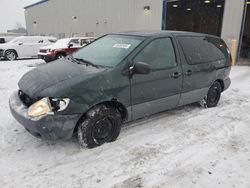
43,51
26,99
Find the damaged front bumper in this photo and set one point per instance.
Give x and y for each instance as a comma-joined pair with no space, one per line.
50,127
47,57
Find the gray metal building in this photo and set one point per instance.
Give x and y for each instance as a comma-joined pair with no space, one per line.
64,18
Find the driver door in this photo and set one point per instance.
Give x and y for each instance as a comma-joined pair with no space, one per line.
159,90
22,48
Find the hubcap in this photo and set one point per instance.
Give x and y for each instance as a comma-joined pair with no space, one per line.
214,95
11,56
103,130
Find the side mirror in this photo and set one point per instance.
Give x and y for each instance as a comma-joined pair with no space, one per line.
20,43
141,68
70,45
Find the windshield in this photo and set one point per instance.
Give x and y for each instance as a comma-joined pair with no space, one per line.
109,50
15,40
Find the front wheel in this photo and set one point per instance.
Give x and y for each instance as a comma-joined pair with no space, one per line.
100,125
10,55
213,95
60,56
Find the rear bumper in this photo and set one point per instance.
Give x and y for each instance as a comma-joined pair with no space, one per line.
50,127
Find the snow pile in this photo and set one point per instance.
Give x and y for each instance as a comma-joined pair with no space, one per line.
185,147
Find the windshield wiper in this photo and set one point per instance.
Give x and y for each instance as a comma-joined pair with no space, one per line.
79,60
83,61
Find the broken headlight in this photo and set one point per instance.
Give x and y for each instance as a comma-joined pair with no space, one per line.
47,106
58,104
40,108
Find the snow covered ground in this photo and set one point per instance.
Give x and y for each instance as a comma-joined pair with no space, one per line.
185,147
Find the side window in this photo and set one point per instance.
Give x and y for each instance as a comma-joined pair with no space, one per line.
159,54
202,49
75,42
84,42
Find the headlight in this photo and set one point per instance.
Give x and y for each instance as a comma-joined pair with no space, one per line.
40,108
47,106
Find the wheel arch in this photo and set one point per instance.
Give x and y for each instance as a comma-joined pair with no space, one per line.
61,52
113,103
11,50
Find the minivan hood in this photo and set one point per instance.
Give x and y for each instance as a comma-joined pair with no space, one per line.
48,75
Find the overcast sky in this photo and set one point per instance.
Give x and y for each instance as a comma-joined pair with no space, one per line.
11,13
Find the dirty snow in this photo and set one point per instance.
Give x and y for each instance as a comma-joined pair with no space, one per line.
185,147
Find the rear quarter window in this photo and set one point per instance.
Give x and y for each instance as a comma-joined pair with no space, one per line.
203,49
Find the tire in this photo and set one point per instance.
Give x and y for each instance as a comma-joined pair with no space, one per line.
213,95
60,56
100,125
10,55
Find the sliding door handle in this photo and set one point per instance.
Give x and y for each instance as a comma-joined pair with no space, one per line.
189,73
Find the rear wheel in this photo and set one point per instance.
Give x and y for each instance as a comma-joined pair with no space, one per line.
10,55
100,125
213,95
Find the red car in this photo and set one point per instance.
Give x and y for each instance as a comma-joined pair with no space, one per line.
63,47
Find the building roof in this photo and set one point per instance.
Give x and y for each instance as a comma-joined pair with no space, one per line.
35,4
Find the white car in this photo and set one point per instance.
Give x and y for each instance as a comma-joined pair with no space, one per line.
23,47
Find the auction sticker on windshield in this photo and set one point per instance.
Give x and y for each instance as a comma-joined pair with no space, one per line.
125,46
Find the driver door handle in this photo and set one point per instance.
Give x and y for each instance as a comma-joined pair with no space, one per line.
176,75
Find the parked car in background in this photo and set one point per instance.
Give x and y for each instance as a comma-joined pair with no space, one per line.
118,78
5,39
24,47
63,47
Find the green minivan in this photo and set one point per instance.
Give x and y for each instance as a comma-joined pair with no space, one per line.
119,78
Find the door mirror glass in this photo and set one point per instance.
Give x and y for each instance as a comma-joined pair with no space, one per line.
141,68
